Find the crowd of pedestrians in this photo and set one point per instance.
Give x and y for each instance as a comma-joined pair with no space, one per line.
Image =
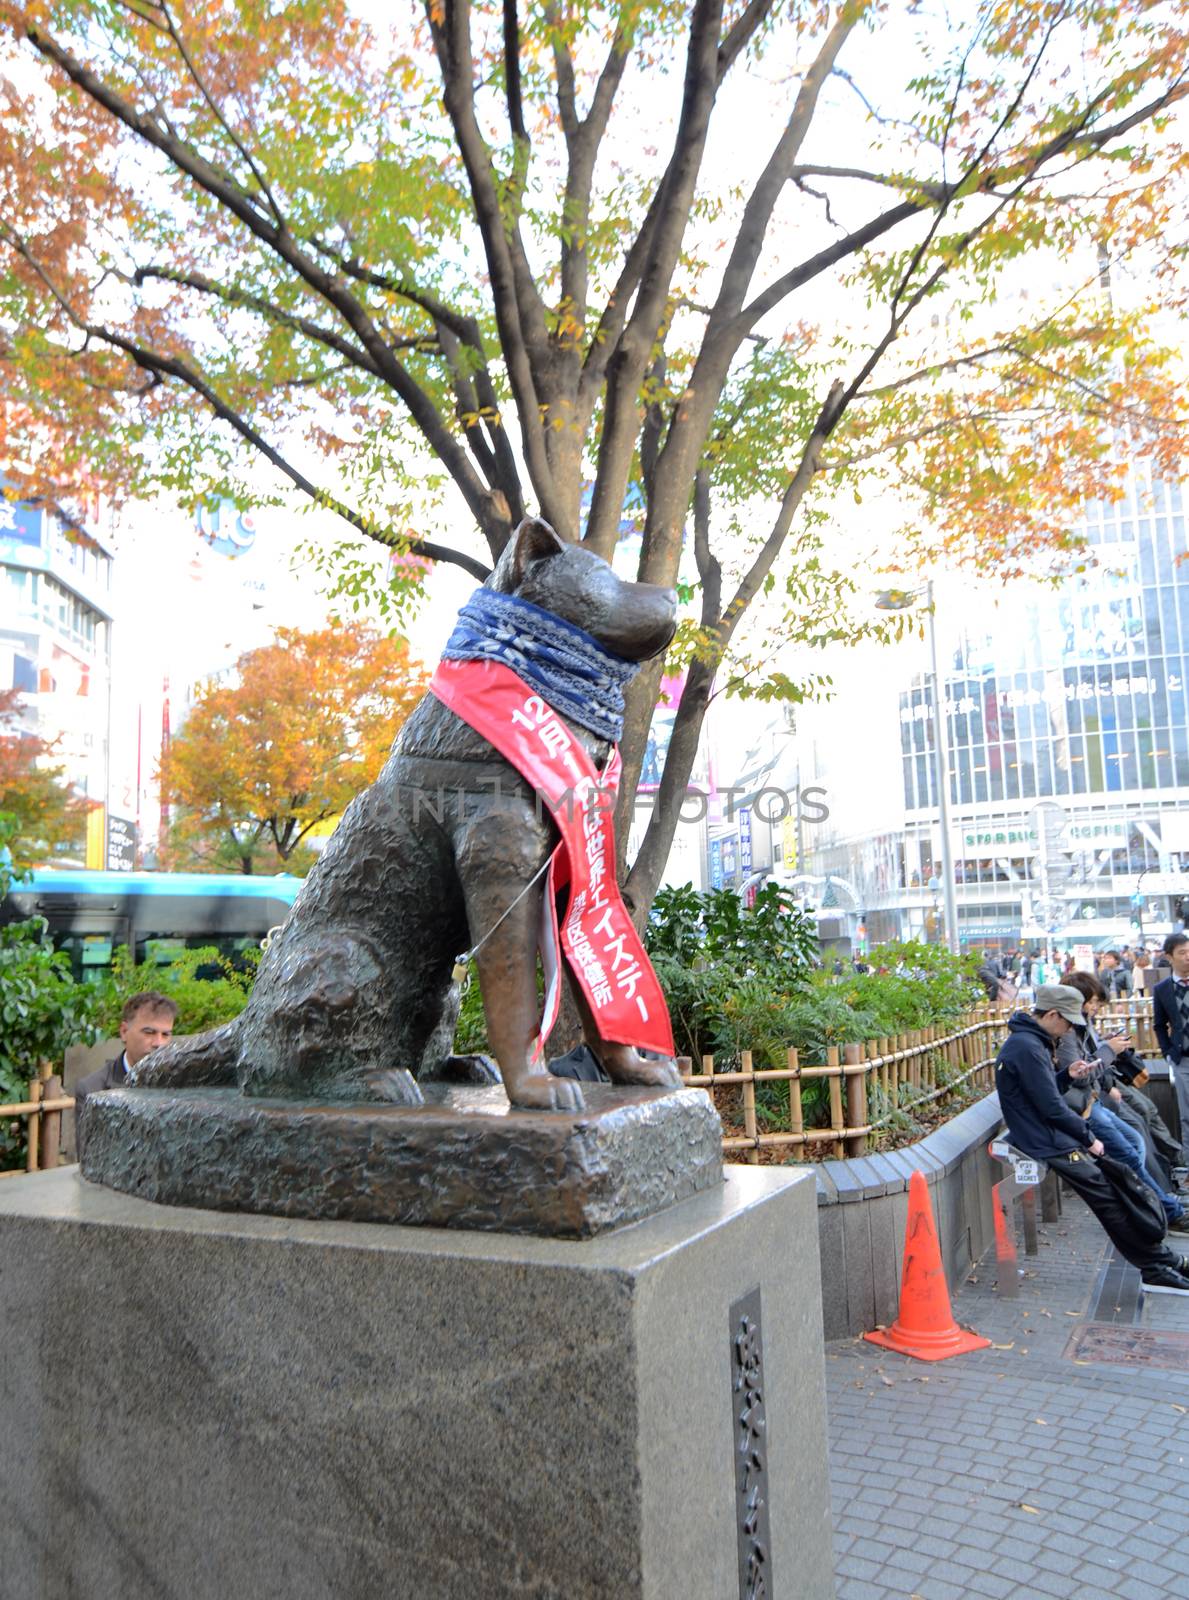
1016,975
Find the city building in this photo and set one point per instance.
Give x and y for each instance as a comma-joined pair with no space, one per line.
1067,745
55,635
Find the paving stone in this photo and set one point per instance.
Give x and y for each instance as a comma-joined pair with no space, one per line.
939,1589
931,1469
857,1567
911,1561
1053,1586
1132,1588
994,1586
900,1582
942,1549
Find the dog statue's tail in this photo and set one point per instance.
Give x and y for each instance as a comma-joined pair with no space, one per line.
201,1060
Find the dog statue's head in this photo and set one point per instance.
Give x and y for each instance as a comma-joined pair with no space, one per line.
635,620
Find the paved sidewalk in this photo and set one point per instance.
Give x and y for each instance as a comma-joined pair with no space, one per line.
1017,1471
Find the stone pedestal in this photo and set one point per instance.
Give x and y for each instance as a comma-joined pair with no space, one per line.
199,1405
464,1159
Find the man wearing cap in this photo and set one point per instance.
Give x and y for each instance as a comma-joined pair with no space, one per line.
1041,1125
1170,1018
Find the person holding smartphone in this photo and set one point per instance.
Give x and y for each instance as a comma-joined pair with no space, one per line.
1161,1147
1043,1126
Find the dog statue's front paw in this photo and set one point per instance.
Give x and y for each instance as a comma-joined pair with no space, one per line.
540,1091
396,1085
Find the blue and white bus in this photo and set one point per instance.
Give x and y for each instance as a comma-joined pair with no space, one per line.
159,914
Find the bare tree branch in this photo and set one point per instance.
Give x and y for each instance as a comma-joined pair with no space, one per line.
253,166
746,26
634,345
167,366
1088,142
232,296
518,309
695,414
583,140
928,190
331,289
604,344
512,72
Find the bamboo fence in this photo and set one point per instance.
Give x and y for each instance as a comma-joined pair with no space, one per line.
896,1075
43,1110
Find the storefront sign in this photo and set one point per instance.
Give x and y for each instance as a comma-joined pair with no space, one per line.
744,840
1021,838
1060,696
121,844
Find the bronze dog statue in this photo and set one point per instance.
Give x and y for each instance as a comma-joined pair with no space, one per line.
355,997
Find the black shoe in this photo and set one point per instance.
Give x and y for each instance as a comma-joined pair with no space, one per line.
1163,1280
1179,1224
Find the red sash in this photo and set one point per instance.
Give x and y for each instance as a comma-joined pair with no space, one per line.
597,936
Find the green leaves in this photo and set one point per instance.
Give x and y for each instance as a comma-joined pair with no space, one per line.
42,1009
206,1001
711,953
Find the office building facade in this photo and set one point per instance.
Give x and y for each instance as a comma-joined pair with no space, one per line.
1068,752
55,636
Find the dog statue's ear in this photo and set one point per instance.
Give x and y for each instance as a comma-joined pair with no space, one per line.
533,540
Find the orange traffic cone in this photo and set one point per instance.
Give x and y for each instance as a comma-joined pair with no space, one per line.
925,1327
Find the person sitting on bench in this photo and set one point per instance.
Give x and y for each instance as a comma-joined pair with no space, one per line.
1113,1051
1041,1125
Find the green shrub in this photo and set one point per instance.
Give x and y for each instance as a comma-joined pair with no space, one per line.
924,981
470,1035
42,1010
728,971
218,995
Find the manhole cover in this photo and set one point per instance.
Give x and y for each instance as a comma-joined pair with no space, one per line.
1128,1347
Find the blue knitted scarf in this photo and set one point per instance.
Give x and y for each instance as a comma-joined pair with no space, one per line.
570,670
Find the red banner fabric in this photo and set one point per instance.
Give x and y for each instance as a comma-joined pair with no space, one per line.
598,938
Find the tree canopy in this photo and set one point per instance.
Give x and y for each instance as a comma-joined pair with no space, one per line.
46,819
260,763
729,263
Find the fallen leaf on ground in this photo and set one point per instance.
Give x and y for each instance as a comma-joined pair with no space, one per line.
1022,1505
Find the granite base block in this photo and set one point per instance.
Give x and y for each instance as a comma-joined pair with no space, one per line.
201,1405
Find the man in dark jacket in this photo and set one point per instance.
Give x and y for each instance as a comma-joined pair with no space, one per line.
1043,1126
146,1022
1114,976
1170,1019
